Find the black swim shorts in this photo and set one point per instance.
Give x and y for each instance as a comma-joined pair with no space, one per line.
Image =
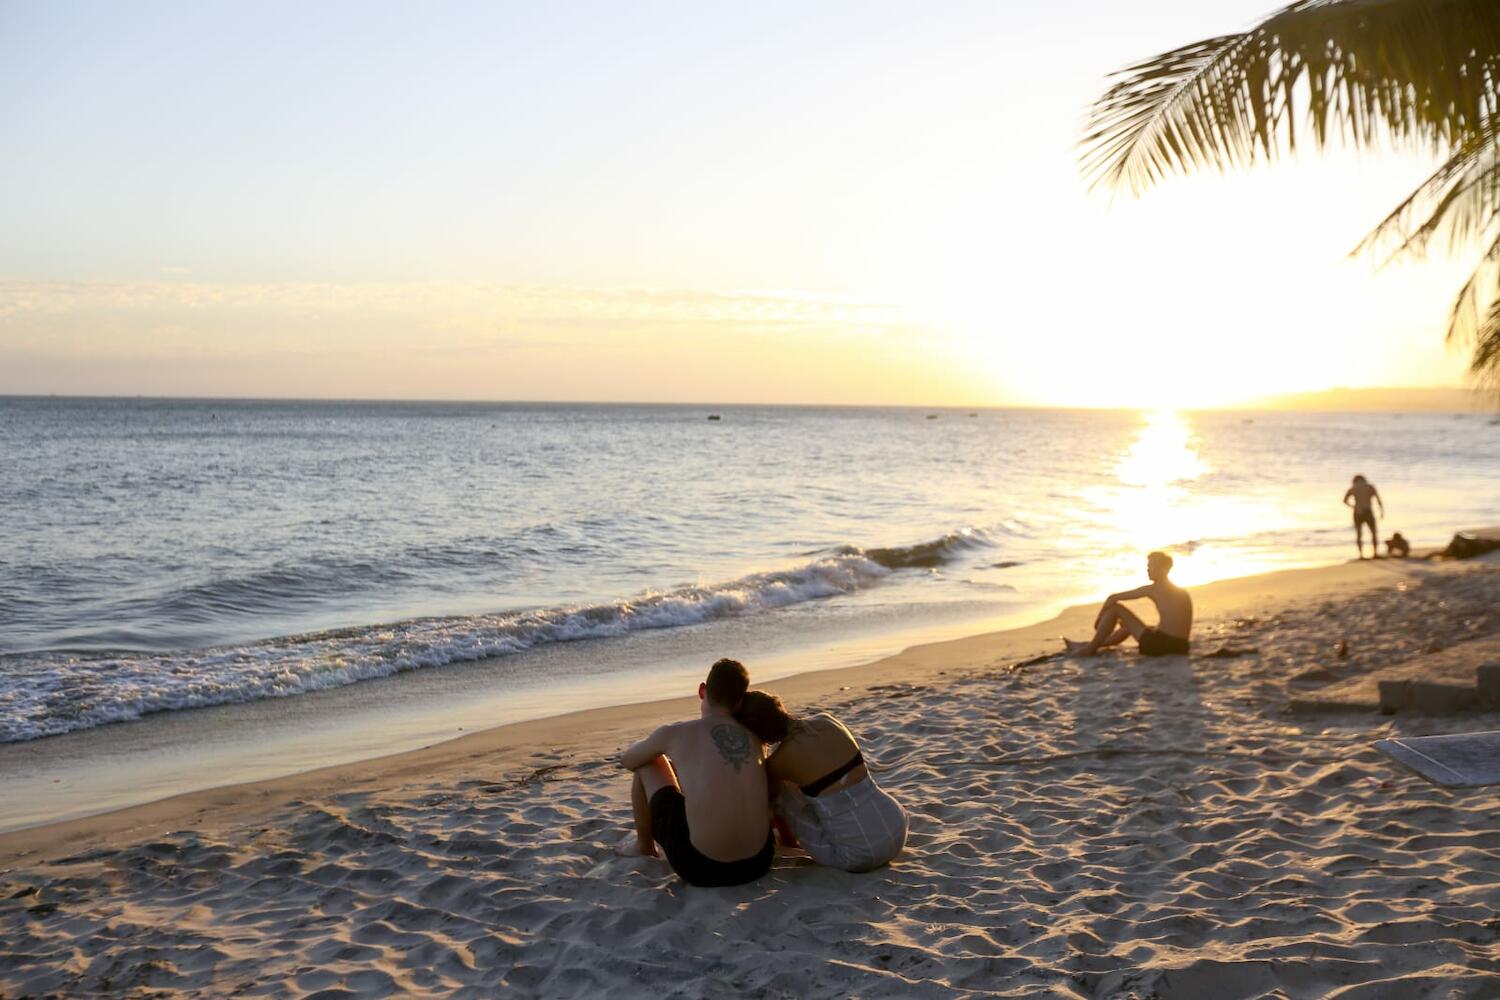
669,828
1365,516
1154,643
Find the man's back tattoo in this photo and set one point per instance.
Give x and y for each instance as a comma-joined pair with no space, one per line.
733,743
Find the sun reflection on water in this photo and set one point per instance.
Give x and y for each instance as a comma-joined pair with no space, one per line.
1162,455
1165,497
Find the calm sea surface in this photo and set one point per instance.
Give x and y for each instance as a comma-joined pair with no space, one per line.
160,555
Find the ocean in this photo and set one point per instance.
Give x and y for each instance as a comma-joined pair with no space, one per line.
159,556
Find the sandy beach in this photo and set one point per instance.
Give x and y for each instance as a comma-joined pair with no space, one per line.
1119,828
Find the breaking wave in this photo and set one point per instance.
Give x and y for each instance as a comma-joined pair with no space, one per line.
50,694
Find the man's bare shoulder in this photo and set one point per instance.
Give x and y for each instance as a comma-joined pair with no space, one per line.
1165,590
674,733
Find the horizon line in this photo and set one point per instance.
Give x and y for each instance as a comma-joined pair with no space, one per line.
1257,403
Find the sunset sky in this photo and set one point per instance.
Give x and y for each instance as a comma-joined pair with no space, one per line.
778,202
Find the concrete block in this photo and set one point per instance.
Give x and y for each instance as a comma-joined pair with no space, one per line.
1488,681
1433,698
1394,696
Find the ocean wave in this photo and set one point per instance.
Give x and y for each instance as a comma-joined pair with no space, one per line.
50,695
928,555
151,619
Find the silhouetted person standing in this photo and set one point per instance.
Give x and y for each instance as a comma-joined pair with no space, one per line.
1360,495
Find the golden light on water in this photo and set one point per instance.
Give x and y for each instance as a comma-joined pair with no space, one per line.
1161,500
1162,456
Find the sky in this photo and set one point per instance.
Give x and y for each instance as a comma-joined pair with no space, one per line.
831,202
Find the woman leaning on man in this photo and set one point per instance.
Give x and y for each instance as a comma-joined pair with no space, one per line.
822,789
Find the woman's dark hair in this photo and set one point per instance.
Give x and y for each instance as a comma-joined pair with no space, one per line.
763,714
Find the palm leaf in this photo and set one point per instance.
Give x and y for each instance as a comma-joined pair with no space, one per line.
1419,73
1462,197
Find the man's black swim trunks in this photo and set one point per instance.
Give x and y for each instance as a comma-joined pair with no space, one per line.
1154,643
669,828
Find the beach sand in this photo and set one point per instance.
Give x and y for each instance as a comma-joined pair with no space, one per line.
1111,828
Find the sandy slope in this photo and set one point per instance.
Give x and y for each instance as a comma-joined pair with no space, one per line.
1123,828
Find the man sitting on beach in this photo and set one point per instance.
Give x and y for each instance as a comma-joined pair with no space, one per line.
1115,623
700,790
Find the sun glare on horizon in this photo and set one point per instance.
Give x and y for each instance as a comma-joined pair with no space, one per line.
1162,497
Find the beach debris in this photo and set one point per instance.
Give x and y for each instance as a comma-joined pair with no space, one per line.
1230,652
1023,664
1467,545
714,416
1342,649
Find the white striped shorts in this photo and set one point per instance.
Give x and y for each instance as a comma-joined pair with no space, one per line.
856,828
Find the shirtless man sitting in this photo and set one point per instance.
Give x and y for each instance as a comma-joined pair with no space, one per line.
1115,623
700,790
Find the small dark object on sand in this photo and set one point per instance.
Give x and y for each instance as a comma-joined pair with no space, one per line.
1023,664
1342,649
714,416
1229,653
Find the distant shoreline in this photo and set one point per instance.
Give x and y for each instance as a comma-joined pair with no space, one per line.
1431,399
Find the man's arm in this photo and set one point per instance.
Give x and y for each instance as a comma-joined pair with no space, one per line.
1376,494
1347,494
642,753
1126,595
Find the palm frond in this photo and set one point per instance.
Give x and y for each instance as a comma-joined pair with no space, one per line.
1423,73
1473,307
1461,196
1420,71
1485,364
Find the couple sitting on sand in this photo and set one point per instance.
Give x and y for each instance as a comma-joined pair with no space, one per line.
706,790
